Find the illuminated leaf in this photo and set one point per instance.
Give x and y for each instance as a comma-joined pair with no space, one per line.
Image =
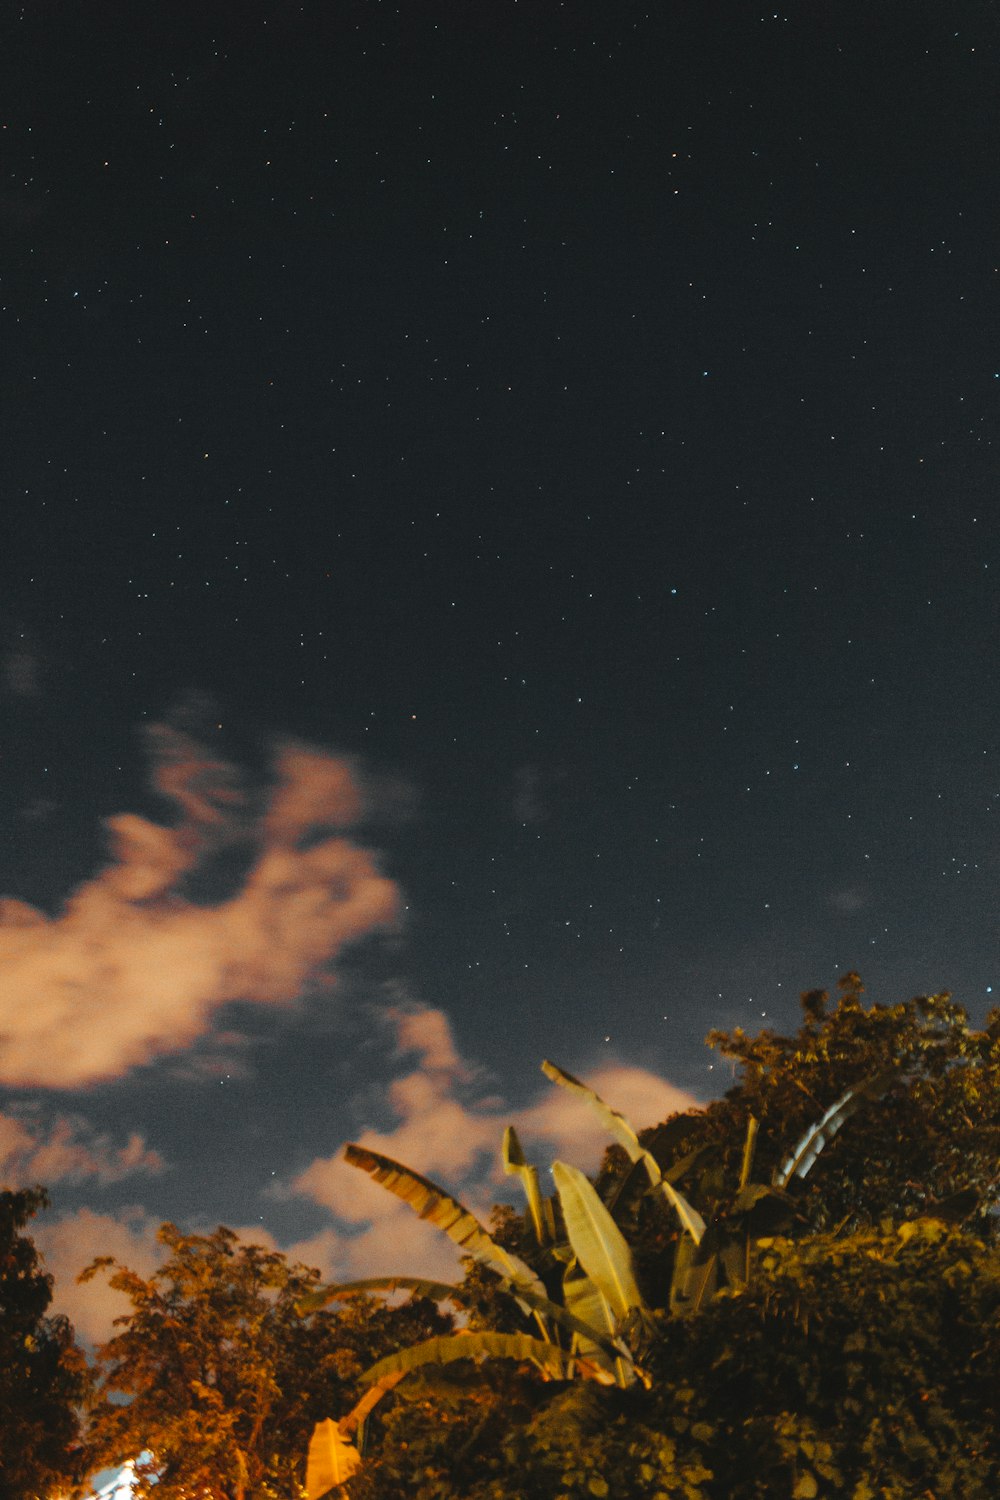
598,1243
332,1460
438,1207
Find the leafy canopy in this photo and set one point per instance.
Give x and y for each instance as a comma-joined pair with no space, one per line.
227,1368
43,1374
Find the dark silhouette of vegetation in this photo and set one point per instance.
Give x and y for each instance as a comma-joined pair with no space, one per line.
794,1291
225,1373
817,1316
43,1374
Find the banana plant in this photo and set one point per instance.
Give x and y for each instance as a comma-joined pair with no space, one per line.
721,1250
581,1335
557,1323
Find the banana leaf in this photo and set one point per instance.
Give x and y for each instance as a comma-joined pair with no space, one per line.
438,1206
689,1216
818,1135
598,1243
734,1258
417,1286
614,1122
696,1271
331,1461
684,1253
440,1291
516,1164
749,1146
448,1347
585,1300
690,1161
619,1127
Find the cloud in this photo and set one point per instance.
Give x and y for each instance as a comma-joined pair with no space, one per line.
447,1128
72,1242
68,1151
135,966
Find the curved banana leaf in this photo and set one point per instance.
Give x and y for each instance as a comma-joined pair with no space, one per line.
619,1127
448,1347
816,1137
614,1122
440,1208
598,1243
439,1291
331,1461
516,1164
359,1413
418,1286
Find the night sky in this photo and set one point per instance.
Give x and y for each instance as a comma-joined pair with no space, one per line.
499,511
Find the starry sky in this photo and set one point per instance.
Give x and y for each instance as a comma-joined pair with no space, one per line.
499,559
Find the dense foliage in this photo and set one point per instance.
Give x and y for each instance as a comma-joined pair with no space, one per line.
225,1373
43,1376
856,1352
795,1291
863,1365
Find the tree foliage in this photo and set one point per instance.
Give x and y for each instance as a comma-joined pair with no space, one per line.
43,1375
852,1346
931,1146
225,1370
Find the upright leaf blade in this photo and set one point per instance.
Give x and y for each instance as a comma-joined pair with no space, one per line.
749,1146
516,1164
598,1243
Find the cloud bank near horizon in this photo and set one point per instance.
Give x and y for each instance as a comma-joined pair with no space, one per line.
448,1124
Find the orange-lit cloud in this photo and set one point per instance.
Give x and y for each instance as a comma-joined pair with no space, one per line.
68,1151
73,1242
134,967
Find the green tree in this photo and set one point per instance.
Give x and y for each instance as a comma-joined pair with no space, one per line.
43,1374
225,1372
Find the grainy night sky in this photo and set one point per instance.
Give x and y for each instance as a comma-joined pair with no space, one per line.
500,512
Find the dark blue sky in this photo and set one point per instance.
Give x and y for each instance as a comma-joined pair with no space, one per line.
584,417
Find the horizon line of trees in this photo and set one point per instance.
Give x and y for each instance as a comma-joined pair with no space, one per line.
794,1290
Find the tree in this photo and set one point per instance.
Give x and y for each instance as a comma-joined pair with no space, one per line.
931,1146
226,1372
863,1364
43,1374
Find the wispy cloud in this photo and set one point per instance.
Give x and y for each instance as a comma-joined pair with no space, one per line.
135,966
68,1150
